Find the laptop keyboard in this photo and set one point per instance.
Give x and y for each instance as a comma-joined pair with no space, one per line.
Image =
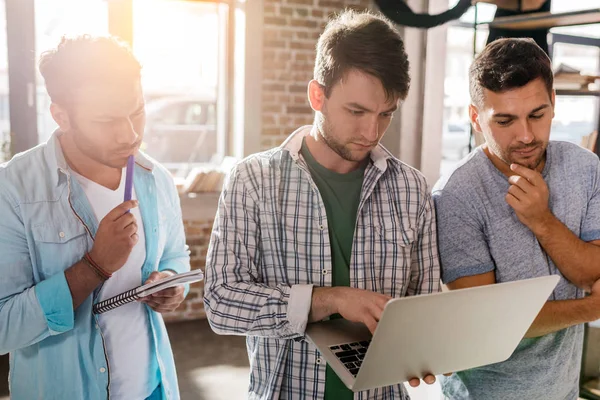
351,354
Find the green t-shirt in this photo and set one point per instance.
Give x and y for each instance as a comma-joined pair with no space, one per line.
341,195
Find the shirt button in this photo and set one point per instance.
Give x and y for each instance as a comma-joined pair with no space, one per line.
61,234
321,227
325,272
103,370
318,360
97,327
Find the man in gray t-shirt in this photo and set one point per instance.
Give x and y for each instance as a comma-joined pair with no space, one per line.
520,207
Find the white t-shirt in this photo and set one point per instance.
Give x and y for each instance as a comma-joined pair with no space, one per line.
126,329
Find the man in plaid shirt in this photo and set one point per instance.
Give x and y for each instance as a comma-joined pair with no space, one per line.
328,224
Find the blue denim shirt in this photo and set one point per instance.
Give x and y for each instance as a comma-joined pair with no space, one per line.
46,226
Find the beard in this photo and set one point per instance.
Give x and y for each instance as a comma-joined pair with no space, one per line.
326,130
509,155
91,150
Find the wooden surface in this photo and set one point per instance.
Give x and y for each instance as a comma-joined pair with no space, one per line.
569,92
548,20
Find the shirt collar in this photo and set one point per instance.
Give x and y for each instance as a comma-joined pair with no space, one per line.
379,155
58,163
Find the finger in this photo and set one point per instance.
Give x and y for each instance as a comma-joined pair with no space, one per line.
429,379
512,201
154,276
156,305
161,309
371,323
517,192
375,311
121,209
521,183
382,301
124,221
170,292
133,239
130,230
414,382
164,301
532,176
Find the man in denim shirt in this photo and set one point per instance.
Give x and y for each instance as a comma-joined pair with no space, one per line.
67,240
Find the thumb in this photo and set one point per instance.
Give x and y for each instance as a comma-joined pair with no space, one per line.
154,276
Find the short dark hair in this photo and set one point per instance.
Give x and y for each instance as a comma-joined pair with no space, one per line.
507,64
366,42
82,59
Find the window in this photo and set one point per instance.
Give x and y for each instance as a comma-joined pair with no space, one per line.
576,116
54,19
180,78
182,47
4,107
559,6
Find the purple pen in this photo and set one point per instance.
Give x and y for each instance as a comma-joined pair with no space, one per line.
129,178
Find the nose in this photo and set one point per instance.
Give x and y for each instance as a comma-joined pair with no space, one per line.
127,134
525,134
371,132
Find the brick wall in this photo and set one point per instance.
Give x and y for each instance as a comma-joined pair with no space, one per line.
291,30
197,235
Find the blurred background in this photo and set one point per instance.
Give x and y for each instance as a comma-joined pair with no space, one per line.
228,78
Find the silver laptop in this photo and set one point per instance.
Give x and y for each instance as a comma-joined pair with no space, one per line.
432,334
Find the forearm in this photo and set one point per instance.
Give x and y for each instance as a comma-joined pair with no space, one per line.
558,315
323,303
82,281
578,261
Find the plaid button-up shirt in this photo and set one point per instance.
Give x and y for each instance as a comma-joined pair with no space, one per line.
270,246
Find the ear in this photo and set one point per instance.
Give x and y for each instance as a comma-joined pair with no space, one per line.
474,117
61,117
316,95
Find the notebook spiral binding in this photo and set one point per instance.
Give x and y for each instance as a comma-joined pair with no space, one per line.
116,301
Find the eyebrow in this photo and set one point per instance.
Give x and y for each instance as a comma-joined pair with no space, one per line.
515,116
363,108
105,116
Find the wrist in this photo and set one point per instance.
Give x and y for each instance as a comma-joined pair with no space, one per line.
89,259
542,225
593,301
323,304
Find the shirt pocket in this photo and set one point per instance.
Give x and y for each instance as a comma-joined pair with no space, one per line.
58,246
394,242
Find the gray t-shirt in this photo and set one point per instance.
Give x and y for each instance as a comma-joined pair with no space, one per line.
479,232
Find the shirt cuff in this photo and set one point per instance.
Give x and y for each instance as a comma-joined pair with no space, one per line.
591,235
449,276
299,307
56,302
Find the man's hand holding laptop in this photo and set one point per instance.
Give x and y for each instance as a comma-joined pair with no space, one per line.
354,305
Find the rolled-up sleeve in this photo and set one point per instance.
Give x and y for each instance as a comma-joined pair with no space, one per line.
56,302
236,301
29,313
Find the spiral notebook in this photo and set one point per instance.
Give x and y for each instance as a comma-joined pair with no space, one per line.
146,290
